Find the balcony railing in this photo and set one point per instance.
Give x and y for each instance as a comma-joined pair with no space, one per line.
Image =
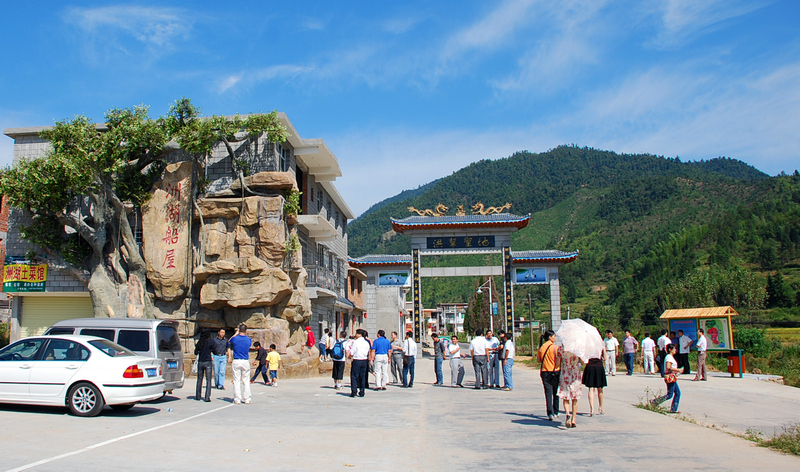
322,277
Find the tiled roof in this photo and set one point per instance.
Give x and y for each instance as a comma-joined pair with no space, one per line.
466,221
381,259
707,312
544,255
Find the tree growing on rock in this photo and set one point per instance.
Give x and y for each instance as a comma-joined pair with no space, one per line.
78,196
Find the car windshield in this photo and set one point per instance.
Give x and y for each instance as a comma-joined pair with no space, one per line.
111,349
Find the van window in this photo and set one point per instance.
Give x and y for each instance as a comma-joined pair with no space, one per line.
100,333
135,340
57,331
167,338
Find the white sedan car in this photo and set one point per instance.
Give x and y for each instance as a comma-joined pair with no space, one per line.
83,373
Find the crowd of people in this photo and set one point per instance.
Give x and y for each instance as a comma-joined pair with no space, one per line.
563,373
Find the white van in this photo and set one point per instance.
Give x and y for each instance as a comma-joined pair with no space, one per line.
152,338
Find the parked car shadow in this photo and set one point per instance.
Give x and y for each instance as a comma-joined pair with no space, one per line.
165,399
50,410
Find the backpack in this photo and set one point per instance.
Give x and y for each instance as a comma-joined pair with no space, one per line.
338,350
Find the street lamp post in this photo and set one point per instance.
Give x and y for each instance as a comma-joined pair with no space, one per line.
491,307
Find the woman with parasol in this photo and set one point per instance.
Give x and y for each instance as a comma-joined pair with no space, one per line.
578,341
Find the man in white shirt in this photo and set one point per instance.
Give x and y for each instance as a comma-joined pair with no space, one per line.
508,361
456,366
359,352
702,345
663,341
684,346
648,348
409,356
612,351
477,349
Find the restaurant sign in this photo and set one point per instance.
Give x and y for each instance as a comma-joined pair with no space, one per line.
23,277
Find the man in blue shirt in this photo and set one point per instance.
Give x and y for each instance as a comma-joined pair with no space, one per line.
239,353
380,360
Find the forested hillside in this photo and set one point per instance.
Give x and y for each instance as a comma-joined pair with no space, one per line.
653,232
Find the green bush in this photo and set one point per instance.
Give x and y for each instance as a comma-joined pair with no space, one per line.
754,341
4,333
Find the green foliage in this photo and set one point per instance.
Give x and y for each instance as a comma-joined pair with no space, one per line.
292,244
5,332
292,205
753,340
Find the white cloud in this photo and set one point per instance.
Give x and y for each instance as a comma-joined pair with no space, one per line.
753,118
685,20
313,24
110,29
254,76
491,31
400,25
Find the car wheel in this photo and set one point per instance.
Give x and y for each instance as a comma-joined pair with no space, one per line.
122,407
85,399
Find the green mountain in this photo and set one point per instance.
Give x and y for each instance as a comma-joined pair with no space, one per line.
653,232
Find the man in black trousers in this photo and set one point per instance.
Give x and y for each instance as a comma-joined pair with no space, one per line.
360,366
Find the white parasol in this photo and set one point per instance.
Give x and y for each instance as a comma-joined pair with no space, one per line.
580,338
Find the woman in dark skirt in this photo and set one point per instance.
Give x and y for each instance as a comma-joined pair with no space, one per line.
594,377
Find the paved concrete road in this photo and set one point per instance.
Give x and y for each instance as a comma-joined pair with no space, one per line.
305,424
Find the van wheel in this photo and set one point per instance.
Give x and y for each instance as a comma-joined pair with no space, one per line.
122,407
84,399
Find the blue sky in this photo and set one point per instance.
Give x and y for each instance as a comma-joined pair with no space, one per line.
406,92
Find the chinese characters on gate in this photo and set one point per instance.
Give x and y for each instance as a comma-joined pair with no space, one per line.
460,242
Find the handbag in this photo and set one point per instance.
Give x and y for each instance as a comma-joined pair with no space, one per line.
672,377
406,361
194,366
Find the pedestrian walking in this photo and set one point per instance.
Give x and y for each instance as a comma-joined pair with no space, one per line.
477,350
594,377
260,363
409,359
493,359
219,356
702,346
397,358
239,353
612,351
205,366
662,342
359,353
648,354
310,340
323,346
380,353
329,344
339,357
569,385
671,372
508,353
629,347
456,366
550,372
275,363
438,358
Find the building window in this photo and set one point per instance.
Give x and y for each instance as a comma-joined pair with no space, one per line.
284,156
321,256
312,194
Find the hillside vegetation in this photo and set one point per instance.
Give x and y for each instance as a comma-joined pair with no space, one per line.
653,233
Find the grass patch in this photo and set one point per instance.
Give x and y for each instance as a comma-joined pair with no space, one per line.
647,402
787,441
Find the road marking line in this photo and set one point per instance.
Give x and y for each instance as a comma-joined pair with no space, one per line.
111,441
